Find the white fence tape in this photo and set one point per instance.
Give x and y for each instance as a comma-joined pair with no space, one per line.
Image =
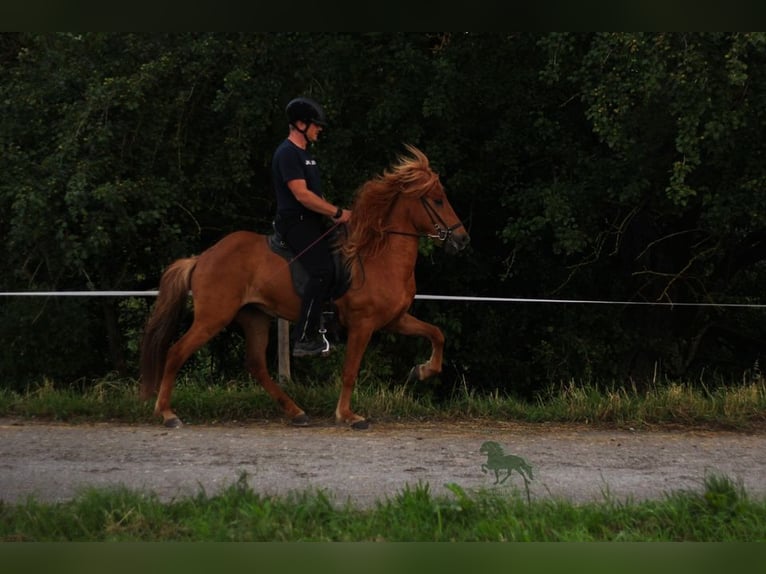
422,297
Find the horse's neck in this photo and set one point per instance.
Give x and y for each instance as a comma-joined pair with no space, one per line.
399,254
393,263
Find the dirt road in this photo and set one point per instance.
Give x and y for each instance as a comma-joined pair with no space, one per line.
52,462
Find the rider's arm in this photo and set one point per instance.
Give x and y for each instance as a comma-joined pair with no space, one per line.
312,201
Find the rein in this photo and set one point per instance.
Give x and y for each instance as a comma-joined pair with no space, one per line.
443,231
317,240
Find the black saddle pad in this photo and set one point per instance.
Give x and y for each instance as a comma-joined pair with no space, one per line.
341,277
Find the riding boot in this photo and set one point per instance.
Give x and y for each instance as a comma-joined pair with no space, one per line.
308,336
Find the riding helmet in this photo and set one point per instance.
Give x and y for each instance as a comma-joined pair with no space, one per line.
305,110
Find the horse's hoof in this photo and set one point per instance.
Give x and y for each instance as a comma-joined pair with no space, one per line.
173,423
301,420
414,375
363,424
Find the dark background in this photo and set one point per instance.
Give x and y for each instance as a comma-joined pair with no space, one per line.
595,166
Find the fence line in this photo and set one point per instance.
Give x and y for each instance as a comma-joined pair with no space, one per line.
421,297
283,327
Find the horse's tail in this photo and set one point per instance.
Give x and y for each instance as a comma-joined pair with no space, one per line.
163,323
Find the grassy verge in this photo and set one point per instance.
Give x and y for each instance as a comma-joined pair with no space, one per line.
722,512
735,407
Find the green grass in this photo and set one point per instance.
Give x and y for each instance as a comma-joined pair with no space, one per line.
735,407
721,512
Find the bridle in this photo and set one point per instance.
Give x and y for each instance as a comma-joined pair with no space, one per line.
443,231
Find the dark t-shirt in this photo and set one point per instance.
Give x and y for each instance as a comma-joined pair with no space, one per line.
291,162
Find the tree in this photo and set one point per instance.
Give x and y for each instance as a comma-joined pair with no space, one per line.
609,166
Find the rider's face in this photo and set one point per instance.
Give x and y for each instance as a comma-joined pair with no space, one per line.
313,131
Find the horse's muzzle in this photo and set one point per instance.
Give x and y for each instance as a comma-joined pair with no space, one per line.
456,242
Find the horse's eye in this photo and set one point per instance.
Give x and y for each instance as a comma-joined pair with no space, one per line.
439,202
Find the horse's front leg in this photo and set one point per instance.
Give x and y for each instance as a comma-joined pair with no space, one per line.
409,325
358,339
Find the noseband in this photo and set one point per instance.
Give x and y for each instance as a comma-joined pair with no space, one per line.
443,231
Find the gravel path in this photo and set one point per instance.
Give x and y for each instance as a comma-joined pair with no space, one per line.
53,462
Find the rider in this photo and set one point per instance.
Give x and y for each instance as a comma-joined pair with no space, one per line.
300,207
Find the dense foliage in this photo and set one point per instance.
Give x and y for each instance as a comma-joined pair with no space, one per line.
595,166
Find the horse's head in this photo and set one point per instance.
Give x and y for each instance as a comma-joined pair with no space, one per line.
490,447
447,227
406,199
435,217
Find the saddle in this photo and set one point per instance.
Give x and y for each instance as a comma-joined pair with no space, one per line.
341,278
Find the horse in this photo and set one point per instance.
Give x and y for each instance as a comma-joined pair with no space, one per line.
241,280
497,460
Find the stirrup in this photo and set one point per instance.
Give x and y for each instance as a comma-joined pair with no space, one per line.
327,348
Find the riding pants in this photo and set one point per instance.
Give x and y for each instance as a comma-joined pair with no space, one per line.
304,234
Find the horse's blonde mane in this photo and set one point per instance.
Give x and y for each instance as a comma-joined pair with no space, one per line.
409,175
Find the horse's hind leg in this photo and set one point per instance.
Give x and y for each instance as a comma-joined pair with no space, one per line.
255,324
198,334
409,325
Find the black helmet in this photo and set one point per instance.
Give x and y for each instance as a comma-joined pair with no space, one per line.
305,110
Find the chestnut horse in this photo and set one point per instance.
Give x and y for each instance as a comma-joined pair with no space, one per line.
240,279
